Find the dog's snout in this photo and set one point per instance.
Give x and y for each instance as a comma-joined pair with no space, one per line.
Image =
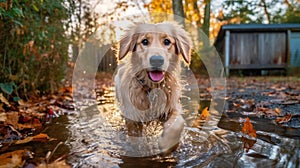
156,61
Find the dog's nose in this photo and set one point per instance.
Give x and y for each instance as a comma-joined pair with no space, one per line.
156,61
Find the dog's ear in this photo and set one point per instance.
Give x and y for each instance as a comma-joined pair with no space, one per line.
183,44
127,44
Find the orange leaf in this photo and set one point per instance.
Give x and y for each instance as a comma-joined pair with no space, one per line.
286,118
277,110
41,136
200,119
35,123
248,143
205,114
12,159
67,89
248,128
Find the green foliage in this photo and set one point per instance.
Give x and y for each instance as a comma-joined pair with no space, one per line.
242,11
33,45
261,11
7,87
292,14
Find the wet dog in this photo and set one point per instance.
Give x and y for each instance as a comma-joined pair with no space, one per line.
148,78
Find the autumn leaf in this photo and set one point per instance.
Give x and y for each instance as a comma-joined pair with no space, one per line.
40,137
12,118
285,119
248,143
277,110
4,100
26,140
13,159
248,128
67,89
35,123
268,112
236,105
55,164
3,117
205,114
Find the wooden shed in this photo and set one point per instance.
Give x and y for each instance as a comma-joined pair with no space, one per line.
259,46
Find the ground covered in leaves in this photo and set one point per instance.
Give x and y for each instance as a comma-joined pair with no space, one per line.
273,100
277,99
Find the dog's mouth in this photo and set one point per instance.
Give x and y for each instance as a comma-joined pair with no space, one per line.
156,75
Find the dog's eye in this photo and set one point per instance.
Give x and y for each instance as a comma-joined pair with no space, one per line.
167,42
145,42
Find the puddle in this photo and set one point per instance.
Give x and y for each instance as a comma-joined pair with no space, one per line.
95,140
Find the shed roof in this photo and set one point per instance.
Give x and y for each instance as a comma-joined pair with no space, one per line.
255,28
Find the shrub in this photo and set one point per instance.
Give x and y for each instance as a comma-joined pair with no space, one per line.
33,46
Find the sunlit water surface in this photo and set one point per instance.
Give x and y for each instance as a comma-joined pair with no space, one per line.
96,134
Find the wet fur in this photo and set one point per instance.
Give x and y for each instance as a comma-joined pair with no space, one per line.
133,95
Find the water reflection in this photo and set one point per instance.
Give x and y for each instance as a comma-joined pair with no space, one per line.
95,142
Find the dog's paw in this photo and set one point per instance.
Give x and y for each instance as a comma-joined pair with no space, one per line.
171,133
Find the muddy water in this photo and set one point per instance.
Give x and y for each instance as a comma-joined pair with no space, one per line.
94,139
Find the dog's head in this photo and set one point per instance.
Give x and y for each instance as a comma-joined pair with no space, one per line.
156,48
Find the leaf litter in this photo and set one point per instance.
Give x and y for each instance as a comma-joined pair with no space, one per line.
23,122
263,99
259,97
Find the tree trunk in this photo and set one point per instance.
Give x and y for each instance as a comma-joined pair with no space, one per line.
264,4
206,17
178,11
287,3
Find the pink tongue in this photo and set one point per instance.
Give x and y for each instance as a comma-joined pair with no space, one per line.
156,75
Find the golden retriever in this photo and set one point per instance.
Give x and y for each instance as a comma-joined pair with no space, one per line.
148,78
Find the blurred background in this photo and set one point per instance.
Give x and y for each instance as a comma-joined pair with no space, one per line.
40,39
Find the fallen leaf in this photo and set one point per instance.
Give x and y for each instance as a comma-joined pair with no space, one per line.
55,164
268,112
1,108
4,100
3,117
67,89
236,105
285,119
12,118
205,114
277,110
23,103
40,137
26,140
248,143
12,159
248,128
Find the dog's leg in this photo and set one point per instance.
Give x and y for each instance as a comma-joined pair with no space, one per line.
172,130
